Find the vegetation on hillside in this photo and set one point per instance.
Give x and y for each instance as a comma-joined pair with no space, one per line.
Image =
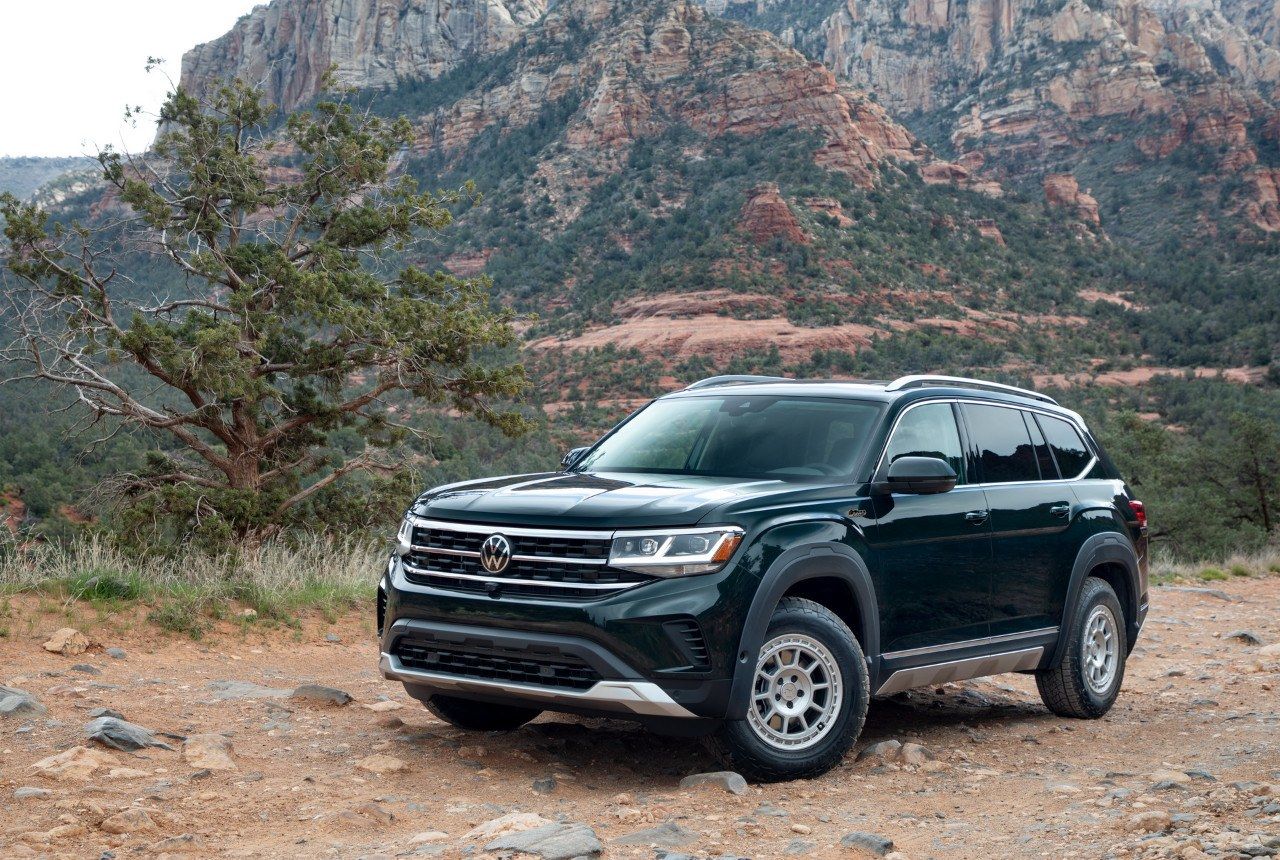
270,374
21,176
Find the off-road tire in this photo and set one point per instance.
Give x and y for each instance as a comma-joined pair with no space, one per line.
479,716
742,750
1063,687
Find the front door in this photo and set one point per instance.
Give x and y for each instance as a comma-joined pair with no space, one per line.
931,553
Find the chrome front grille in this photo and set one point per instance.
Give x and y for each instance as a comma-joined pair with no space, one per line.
544,563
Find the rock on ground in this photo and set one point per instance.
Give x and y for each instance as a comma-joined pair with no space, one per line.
208,752
668,835
510,823
381,764
316,694
75,763
17,703
25,792
62,831
68,642
870,843
915,754
122,735
884,750
132,820
726,779
1248,637
551,842
384,706
1148,822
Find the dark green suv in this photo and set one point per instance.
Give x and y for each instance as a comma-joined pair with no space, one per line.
752,559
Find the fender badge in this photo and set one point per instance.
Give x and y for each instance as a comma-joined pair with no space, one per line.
857,512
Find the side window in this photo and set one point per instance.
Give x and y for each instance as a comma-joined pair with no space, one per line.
1005,452
1048,471
1068,448
928,431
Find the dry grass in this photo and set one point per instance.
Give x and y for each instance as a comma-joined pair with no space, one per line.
1265,562
276,580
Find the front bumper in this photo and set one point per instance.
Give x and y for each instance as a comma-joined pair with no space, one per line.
641,698
626,646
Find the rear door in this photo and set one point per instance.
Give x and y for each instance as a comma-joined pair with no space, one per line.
932,553
1030,514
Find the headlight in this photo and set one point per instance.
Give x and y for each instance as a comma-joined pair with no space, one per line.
404,538
674,552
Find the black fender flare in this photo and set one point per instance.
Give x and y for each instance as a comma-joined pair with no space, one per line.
1099,549
827,560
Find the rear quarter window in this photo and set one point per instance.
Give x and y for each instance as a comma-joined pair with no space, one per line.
1068,448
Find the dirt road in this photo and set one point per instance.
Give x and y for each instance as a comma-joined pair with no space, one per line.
1187,765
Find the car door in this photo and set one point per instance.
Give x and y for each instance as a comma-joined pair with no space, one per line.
1030,513
931,553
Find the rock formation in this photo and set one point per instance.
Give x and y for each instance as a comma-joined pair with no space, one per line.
766,217
1031,85
287,46
1061,191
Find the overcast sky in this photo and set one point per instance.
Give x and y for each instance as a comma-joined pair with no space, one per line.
68,68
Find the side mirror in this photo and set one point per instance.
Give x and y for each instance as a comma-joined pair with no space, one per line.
574,455
918,475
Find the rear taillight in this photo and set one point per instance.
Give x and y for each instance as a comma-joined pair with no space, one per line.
1139,511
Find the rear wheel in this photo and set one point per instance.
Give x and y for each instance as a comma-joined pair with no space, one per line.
1086,682
479,716
808,699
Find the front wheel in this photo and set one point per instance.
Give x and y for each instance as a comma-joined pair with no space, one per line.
808,699
1086,682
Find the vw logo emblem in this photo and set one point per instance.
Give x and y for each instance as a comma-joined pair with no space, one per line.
495,553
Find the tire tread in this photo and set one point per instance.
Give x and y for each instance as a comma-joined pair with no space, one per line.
755,768
1062,686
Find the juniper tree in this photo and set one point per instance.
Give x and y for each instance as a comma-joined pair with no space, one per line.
287,318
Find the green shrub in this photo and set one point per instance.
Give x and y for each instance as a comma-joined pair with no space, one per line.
1240,570
182,614
1209,574
105,585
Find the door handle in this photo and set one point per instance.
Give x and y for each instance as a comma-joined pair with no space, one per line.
977,517
1060,510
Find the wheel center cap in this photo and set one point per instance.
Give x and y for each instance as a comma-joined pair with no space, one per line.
789,692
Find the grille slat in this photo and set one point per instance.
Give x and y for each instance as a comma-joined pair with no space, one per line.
436,550
562,671
687,635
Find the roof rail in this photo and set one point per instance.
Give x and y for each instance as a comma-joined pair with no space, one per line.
735,380
904,382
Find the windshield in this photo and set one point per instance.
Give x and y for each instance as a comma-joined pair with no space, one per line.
740,436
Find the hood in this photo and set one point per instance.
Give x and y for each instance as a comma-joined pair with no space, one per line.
593,500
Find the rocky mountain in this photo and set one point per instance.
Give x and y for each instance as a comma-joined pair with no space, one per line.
656,178
1019,88
287,46
668,183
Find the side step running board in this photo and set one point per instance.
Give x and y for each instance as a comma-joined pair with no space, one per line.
959,670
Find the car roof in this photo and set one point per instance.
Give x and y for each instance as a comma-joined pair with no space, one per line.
905,389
